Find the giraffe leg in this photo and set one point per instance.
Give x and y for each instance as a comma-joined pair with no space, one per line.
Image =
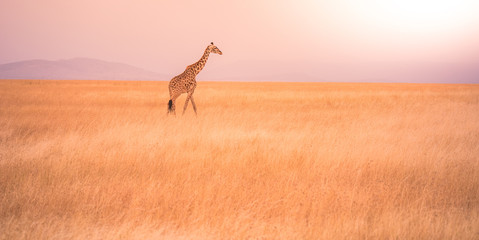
186,103
193,103
172,104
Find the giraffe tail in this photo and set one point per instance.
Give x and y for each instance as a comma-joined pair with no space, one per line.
170,105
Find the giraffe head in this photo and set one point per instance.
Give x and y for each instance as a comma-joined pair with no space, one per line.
214,49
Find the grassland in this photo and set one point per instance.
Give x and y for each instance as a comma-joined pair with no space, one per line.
101,160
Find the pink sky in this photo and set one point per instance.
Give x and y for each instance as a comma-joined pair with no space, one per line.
330,40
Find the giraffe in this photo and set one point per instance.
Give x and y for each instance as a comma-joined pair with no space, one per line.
186,82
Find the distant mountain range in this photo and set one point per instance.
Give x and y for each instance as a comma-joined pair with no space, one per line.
76,69
94,69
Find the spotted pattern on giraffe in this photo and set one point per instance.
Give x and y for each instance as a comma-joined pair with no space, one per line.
186,81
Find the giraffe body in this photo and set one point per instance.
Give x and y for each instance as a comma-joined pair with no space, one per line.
186,81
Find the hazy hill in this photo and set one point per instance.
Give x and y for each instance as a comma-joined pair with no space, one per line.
76,68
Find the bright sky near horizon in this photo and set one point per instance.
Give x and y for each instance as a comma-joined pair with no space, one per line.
302,40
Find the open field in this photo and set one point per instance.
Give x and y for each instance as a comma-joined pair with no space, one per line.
101,160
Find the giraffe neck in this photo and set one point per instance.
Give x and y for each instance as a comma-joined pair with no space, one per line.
198,66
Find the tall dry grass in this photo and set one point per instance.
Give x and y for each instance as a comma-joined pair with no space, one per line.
101,160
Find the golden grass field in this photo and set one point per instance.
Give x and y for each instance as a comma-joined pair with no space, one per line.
102,160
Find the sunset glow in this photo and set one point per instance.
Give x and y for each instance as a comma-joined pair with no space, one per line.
345,40
419,17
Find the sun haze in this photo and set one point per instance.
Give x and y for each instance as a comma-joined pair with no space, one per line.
345,40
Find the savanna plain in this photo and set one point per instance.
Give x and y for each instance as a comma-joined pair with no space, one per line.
102,160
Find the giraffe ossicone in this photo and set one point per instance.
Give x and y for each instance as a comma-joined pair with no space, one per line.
186,81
